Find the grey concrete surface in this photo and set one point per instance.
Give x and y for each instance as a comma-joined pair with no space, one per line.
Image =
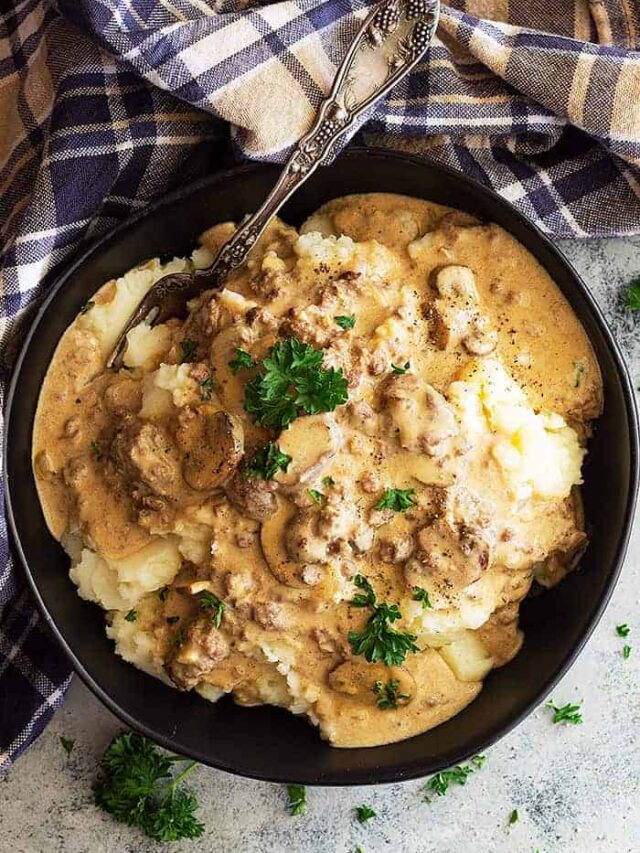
575,787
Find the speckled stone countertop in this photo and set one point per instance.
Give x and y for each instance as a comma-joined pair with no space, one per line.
575,787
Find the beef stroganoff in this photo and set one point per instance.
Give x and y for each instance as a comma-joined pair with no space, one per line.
331,486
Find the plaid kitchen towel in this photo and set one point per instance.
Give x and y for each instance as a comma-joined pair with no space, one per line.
106,104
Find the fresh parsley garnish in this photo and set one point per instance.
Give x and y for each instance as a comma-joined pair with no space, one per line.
267,461
209,601
297,799
420,594
623,630
399,500
626,652
378,640
365,813
87,306
514,817
136,787
206,388
316,496
403,369
328,481
566,714
243,360
458,775
188,350
67,744
291,381
632,295
131,616
346,321
387,695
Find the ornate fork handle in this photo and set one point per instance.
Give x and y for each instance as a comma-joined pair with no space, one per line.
390,42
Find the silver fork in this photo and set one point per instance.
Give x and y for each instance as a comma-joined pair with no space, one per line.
389,44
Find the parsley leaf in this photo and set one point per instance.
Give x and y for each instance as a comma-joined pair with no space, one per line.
292,381
135,786
514,817
316,496
209,601
420,594
242,360
399,500
623,630
346,321
188,350
387,695
131,616
297,799
566,714
267,461
67,744
626,652
401,370
365,813
378,640
632,295
206,388
458,775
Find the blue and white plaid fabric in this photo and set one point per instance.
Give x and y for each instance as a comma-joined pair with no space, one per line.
107,104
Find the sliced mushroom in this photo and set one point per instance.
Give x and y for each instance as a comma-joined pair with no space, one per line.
456,312
423,418
482,339
310,442
144,451
357,678
201,649
214,445
457,284
274,548
253,496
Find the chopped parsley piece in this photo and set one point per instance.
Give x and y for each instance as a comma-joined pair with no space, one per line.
420,594
378,640
328,481
580,370
209,601
131,616
297,799
626,652
87,306
67,744
135,786
566,714
387,695
206,388
292,381
267,461
623,630
173,619
346,322
188,350
399,500
403,369
163,593
316,496
439,784
365,813
242,360
632,295
514,817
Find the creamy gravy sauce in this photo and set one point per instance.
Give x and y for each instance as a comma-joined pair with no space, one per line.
466,306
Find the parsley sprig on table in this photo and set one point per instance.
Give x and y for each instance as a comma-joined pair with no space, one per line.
632,295
297,799
566,714
458,775
365,813
136,787
399,500
291,381
378,640
267,461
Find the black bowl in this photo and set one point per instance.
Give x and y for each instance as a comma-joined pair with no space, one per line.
268,743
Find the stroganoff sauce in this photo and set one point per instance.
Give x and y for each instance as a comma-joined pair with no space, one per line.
447,480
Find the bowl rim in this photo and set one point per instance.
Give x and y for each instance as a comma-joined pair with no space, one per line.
356,777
